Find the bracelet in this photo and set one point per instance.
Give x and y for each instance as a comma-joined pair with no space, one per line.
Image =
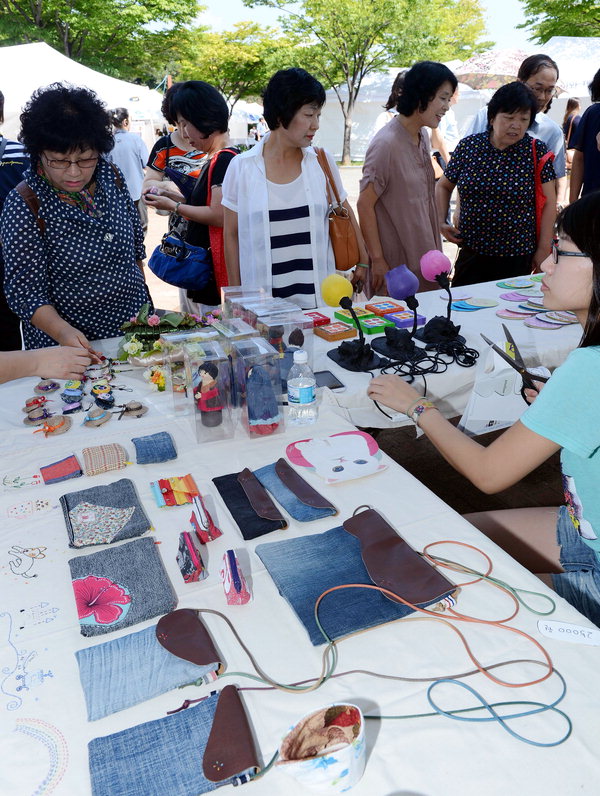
176,208
362,265
419,409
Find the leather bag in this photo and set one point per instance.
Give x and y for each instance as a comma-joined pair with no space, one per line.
341,230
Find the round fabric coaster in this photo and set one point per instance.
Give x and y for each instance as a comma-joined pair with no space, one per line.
537,277
513,296
509,315
520,281
560,316
538,323
482,302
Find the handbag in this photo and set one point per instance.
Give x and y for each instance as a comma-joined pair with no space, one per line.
341,230
180,264
540,199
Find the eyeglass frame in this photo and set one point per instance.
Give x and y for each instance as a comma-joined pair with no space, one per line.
556,252
51,162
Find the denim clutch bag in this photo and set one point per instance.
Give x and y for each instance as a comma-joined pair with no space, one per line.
190,752
120,586
134,668
296,495
304,568
154,448
103,514
249,504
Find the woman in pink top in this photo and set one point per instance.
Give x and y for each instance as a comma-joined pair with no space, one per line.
396,206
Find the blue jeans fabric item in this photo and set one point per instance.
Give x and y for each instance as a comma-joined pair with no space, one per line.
154,448
131,669
120,586
296,508
158,758
305,567
579,584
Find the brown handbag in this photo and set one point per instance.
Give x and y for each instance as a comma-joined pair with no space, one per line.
341,230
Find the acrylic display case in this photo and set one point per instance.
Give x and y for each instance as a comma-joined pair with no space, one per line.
256,387
287,332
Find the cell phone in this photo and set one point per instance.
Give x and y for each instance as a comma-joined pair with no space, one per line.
325,378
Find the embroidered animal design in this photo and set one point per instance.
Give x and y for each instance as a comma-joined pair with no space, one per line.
24,559
340,457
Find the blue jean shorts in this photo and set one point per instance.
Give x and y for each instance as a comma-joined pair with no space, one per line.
579,584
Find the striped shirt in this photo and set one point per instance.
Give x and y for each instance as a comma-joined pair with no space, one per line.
291,256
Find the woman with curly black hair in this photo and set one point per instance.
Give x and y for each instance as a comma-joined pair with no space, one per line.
72,240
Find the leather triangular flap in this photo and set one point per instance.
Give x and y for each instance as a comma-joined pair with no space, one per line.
184,634
301,488
259,497
230,748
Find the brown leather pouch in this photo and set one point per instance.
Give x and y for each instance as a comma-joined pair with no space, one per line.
393,564
184,634
301,488
259,497
230,747
249,504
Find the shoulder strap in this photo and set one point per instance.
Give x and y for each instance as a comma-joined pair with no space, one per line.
331,186
33,203
211,166
118,178
2,146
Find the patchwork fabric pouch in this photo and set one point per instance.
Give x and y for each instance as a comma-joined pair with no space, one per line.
249,504
174,491
305,567
120,586
154,448
189,752
104,514
62,470
178,651
295,494
104,458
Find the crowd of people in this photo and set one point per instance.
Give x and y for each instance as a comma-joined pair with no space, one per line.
74,195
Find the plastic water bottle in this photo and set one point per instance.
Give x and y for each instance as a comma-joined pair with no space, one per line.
302,391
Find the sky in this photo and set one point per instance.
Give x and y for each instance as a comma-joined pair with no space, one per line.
502,17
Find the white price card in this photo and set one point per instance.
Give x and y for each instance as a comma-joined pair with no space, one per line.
567,632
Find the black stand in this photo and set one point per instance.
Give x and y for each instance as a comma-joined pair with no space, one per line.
355,355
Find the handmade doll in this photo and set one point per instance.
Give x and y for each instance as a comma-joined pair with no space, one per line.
208,398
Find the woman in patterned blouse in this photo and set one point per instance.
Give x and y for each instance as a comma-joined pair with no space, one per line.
494,174
72,240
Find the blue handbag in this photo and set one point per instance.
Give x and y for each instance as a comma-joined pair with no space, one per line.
180,264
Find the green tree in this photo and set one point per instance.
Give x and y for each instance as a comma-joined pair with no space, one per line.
238,62
547,18
343,41
119,37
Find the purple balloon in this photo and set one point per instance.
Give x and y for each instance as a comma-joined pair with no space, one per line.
401,283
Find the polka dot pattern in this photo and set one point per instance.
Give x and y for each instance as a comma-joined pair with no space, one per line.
497,197
84,266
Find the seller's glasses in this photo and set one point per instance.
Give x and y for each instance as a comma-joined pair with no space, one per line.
63,165
556,252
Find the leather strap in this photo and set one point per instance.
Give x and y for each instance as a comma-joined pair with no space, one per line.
332,190
33,203
393,564
259,497
230,747
301,489
184,634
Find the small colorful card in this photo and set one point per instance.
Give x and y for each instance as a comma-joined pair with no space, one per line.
317,318
403,320
384,307
346,315
374,325
335,331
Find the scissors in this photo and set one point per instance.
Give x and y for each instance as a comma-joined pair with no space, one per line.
516,363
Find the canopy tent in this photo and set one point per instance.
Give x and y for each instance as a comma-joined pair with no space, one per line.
38,64
578,59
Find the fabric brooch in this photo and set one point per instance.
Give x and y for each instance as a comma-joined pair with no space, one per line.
104,514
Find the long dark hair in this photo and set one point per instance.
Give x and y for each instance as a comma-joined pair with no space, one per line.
580,222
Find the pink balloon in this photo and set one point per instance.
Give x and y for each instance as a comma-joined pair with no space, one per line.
433,263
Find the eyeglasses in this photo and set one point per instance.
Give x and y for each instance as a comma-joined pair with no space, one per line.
544,92
556,252
63,165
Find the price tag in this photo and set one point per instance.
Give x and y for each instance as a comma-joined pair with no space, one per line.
567,632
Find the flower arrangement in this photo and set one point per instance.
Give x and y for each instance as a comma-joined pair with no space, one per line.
157,376
143,330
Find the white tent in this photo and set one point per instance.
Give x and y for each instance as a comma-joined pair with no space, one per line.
578,59
34,65
373,95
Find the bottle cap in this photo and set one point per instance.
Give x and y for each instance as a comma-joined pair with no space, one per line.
300,357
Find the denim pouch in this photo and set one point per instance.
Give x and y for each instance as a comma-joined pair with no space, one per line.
120,586
62,470
134,668
154,448
249,504
190,752
305,567
296,495
104,514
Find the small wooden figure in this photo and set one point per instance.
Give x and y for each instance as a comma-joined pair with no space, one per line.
208,398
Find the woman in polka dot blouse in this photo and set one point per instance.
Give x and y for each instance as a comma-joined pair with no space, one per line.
494,174
72,241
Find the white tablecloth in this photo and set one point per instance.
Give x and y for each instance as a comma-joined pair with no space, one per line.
449,390
43,722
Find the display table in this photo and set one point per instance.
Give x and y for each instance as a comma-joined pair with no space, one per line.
42,710
449,390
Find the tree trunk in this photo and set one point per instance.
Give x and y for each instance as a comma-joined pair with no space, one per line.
346,158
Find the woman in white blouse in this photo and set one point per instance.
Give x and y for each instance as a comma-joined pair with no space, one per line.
274,195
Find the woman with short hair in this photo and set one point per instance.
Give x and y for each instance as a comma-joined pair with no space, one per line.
396,206
275,198
72,240
494,174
